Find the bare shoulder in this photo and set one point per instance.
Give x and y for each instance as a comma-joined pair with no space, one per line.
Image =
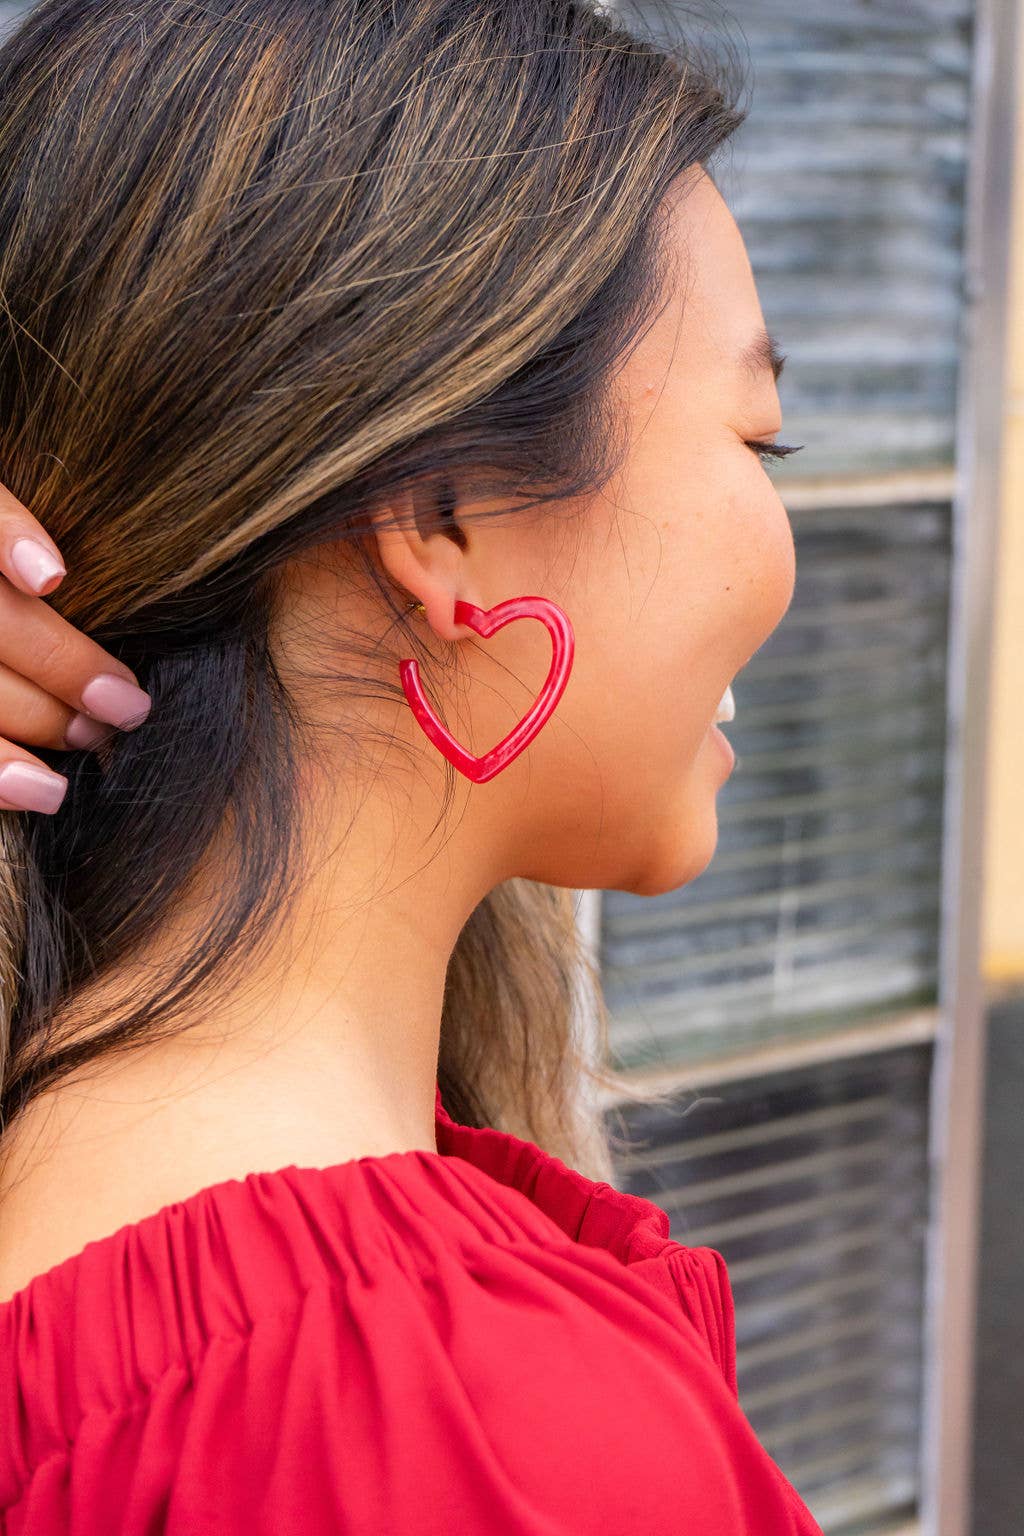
96,1155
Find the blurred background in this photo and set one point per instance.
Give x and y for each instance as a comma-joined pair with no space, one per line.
839,999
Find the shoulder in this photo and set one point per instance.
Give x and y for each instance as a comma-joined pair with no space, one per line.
142,1133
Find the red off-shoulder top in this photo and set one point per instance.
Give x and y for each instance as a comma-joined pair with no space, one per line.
477,1340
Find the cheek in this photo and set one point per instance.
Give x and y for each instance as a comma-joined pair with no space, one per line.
758,576
664,626
702,624
642,705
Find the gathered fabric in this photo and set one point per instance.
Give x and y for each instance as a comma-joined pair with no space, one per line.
475,1340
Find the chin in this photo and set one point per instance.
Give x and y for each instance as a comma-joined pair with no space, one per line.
682,859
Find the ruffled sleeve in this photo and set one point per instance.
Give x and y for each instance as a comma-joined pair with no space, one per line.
598,1215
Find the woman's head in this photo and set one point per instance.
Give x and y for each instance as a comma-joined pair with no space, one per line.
316,310
673,574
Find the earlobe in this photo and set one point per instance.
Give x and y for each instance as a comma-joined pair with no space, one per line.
427,570
438,610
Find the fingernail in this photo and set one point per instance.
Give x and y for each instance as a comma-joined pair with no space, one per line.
116,701
30,788
35,564
82,733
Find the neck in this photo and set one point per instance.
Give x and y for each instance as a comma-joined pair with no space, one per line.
342,1004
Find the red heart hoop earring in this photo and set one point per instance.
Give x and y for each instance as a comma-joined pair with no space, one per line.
486,622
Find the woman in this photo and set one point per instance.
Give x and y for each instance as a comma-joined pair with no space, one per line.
333,330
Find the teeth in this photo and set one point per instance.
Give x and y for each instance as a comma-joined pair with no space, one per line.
727,709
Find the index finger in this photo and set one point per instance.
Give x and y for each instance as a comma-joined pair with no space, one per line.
44,647
28,556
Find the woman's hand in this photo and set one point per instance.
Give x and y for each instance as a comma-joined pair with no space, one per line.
58,688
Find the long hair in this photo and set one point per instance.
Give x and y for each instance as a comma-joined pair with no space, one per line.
265,264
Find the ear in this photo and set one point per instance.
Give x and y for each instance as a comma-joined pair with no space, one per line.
425,561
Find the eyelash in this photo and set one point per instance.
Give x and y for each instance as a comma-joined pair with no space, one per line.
766,451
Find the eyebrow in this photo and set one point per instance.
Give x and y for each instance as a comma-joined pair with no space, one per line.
762,354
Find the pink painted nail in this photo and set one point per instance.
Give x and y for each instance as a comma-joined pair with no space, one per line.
29,788
83,733
35,564
116,701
